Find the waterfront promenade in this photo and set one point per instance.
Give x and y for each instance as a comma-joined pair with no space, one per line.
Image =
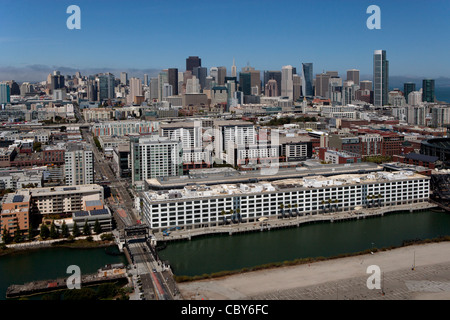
275,223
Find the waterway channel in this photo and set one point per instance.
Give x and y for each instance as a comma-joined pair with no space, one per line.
50,263
223,252
211,254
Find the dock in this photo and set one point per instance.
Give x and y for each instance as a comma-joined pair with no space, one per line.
45,286
276,223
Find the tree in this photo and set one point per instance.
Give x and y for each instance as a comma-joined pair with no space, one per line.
97,227
53,232
64,230
37,146
86,229
44,231
75,230
17,235
6,236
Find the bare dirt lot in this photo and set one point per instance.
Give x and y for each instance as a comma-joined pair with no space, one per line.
344,278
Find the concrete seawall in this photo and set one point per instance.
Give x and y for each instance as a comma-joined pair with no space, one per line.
275,223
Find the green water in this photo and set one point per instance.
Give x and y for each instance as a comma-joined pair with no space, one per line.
50,263
224,252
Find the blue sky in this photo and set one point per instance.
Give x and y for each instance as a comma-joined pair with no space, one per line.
151,34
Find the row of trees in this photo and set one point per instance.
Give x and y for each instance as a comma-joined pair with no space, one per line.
54,233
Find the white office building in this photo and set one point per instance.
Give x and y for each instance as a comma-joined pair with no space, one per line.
201,205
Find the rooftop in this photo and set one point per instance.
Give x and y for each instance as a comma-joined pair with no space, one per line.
215,176
204,191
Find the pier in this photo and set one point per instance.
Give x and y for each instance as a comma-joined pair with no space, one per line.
270,223
45,286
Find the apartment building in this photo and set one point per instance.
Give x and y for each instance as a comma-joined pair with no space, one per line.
155,156
15,212
79,165
53,200
201,205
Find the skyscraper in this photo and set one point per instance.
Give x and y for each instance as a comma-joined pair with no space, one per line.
255,78
271,88
173,80
353,75
428,90
307,79
5,93
214,72
105,85
366,85
287,83
221,74
135,89
273,75
79,165
322,82
193,62
124,78
201,73
408,87
297,81
380,78
245,83
145,79
233,69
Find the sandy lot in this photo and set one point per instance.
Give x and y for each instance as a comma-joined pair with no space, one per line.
344,278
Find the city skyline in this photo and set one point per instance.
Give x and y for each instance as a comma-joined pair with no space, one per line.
333,36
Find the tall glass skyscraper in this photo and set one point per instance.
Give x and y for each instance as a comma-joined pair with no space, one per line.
408,87
428,90
307,80
5,93
380,78
106,86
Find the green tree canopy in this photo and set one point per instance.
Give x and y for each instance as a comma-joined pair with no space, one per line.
45,232
76,230
86,229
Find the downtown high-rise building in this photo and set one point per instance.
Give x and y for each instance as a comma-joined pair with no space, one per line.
173,80
408,87
428,93
234,69
250,80
201,73
124,78
380,78
5,93
105,86
353,75
273,75
135,90
192,62
221,74
307,80
322,82
366,85
287,82
146,83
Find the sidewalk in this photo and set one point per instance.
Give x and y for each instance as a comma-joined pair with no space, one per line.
47,243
